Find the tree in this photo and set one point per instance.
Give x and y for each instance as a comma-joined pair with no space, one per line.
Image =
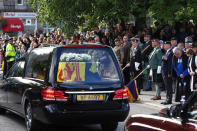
170,11
139,8
71,13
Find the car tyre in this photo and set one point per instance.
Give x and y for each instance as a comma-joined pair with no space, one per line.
2,111
110,126
30,122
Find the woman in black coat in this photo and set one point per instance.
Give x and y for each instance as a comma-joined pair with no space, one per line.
192,69
136,62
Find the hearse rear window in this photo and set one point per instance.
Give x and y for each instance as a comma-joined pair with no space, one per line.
88,64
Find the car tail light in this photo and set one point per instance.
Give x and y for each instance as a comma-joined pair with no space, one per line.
121,94
53,95
163,112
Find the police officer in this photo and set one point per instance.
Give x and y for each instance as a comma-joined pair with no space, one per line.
166,72
10,54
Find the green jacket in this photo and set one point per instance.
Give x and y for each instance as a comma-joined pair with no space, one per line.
155,58
10,52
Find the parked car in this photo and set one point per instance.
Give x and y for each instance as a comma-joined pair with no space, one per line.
180,117
68,84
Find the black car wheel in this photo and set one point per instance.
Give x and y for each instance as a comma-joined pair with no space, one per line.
2,111
31,123
110,126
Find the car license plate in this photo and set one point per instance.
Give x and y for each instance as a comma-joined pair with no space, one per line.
95,97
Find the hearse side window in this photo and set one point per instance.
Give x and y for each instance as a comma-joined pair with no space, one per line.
37,65
17,69
20,69
13,70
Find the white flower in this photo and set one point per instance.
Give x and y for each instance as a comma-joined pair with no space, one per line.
75,57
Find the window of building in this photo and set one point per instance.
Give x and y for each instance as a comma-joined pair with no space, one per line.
20,2
33,21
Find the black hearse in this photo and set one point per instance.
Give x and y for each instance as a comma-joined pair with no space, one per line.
67,84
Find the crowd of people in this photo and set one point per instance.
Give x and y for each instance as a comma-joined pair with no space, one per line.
170,51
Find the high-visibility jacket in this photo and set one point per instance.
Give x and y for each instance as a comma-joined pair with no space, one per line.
10,52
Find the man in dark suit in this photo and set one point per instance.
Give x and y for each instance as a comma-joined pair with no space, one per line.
136,62
126,58
145,53
166,72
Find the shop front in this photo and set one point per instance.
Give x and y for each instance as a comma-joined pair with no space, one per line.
27,18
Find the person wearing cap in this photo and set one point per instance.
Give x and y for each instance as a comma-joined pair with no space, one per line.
166,72
188,44
10,54
118,50
136,62
188,38
140,44
180,66
173,42
155,59
162,46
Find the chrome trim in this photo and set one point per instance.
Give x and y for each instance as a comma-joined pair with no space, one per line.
88,92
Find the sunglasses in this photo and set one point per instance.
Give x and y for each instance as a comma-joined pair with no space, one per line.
135,40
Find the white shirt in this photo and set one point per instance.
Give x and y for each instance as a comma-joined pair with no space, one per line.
167,51
190,70
133,51
179,60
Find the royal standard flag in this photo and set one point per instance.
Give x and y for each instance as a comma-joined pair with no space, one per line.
132,91
77,71
71,71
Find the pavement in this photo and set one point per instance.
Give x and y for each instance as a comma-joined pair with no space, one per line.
146,96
